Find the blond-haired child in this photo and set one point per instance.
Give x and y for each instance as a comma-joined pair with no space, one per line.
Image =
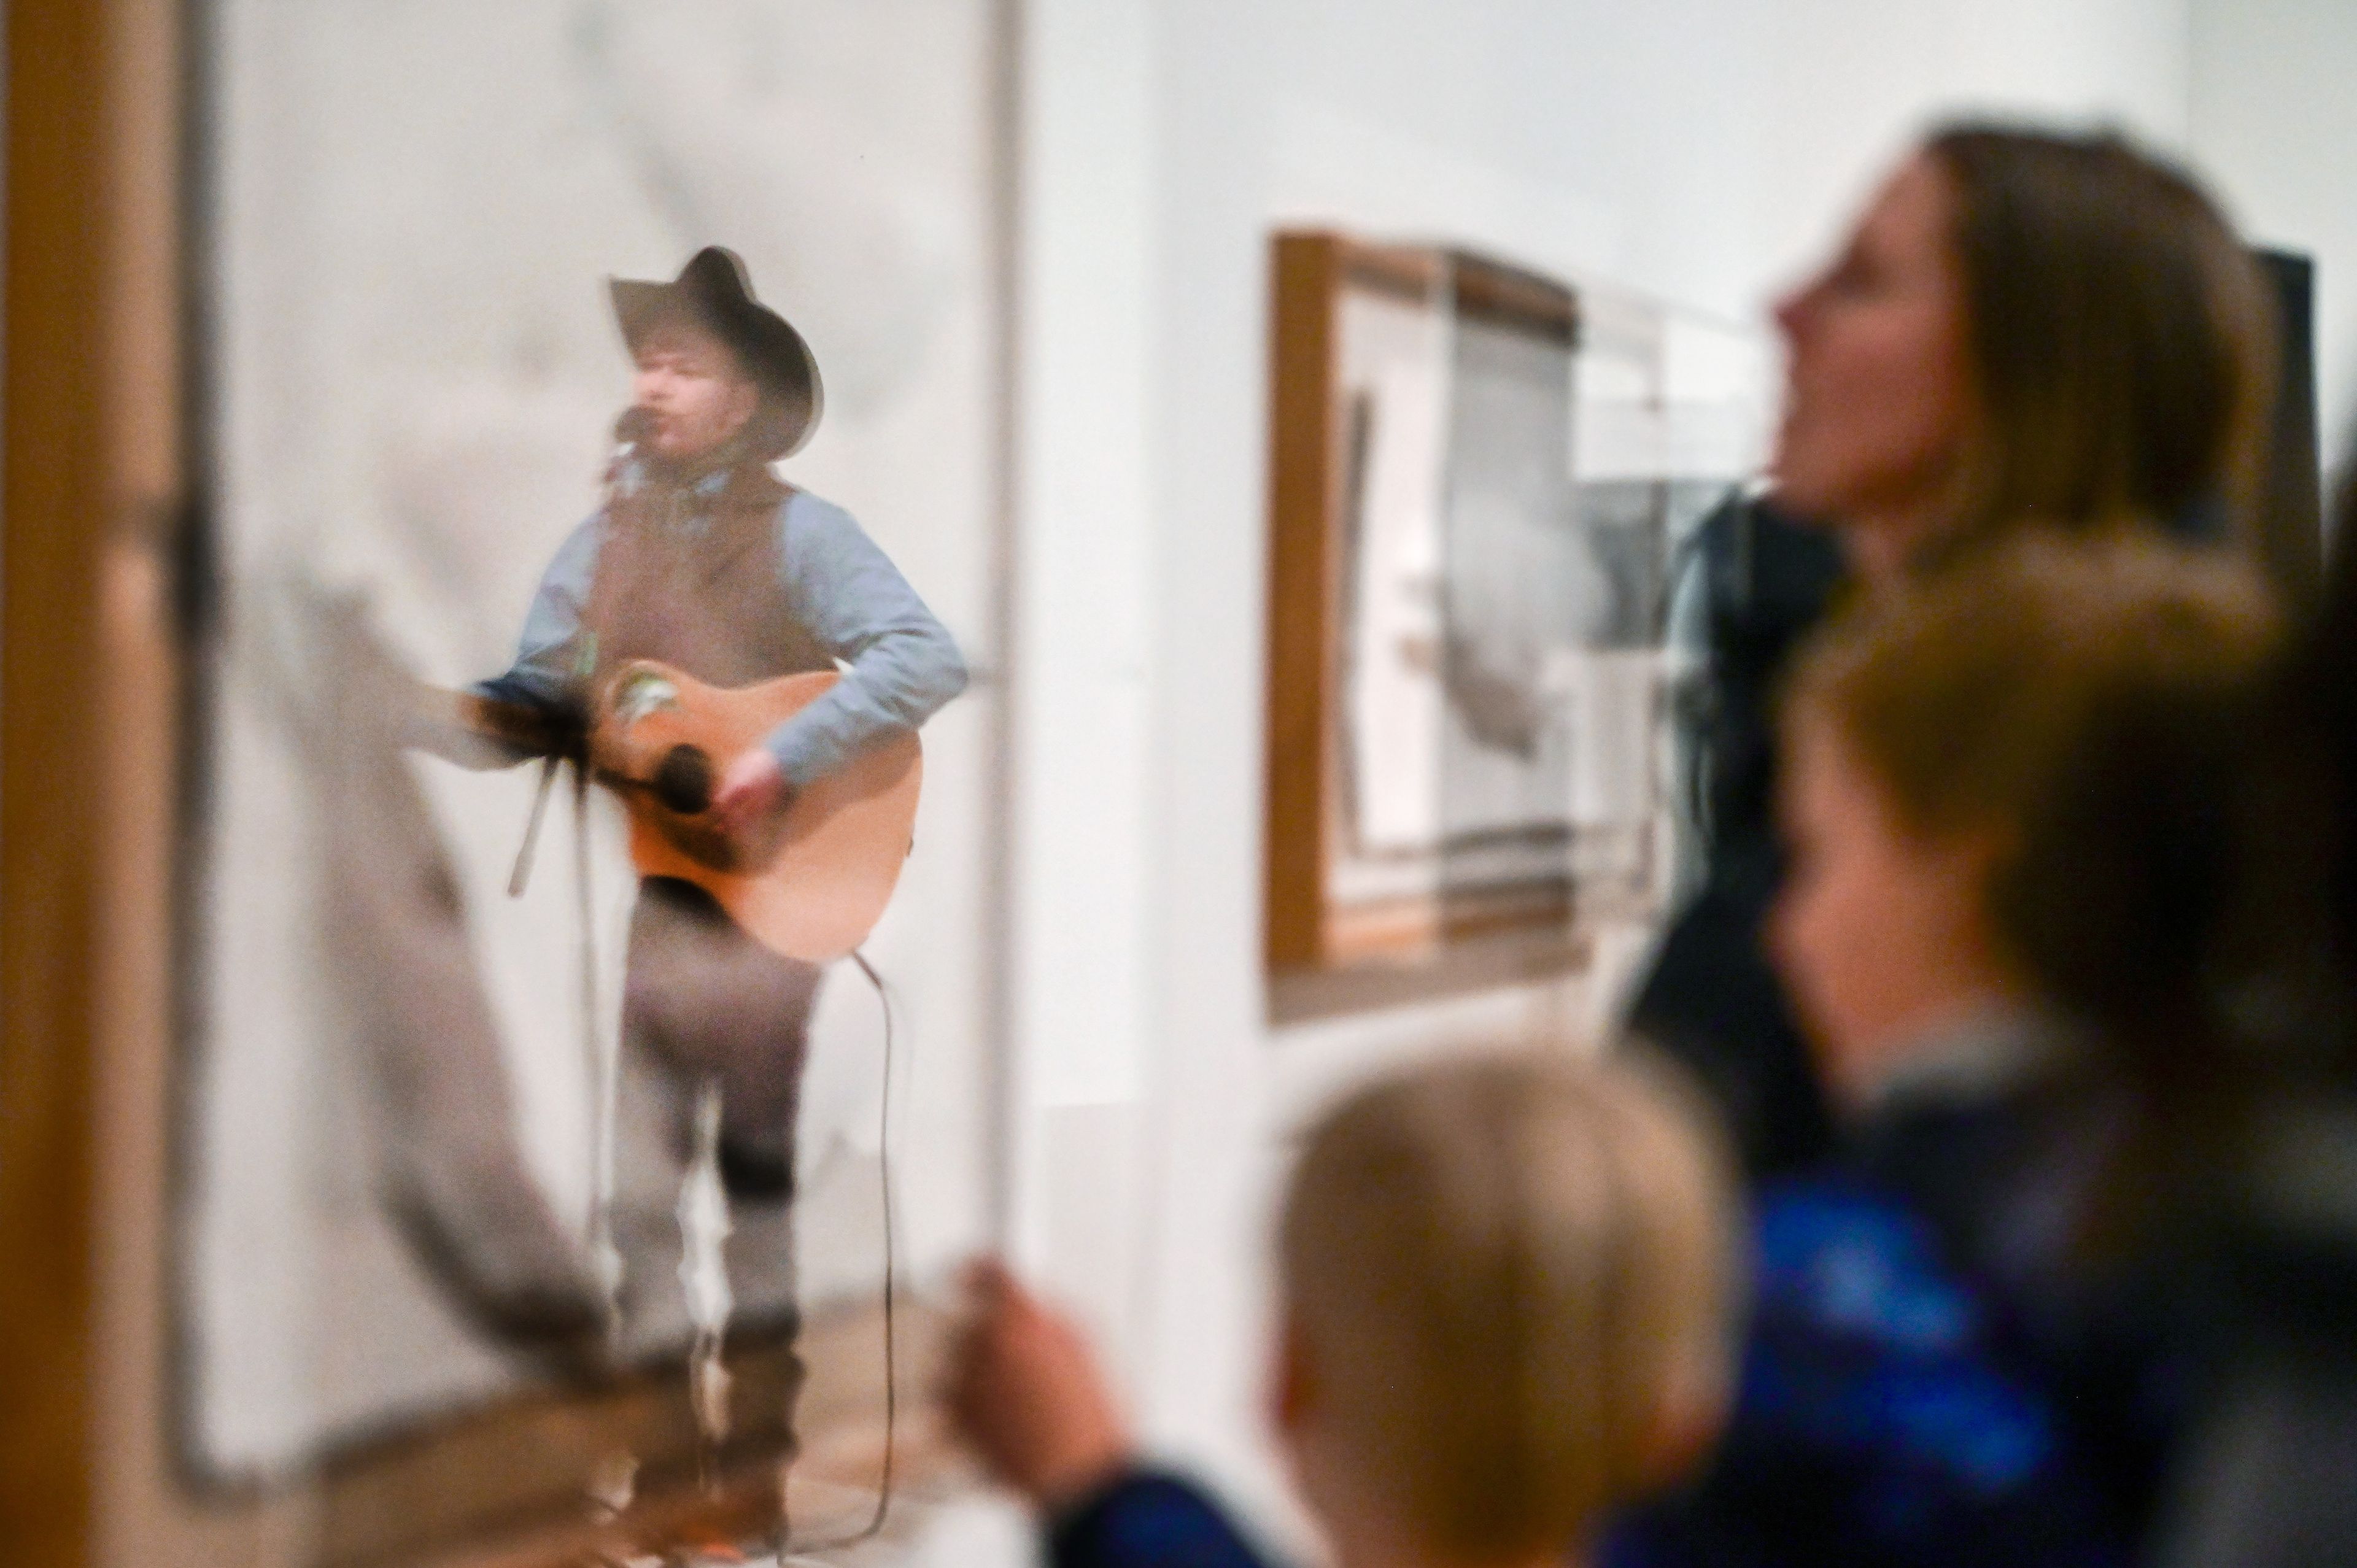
1506,1287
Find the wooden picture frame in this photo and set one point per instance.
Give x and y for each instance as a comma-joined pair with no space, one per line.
1323,952
101,592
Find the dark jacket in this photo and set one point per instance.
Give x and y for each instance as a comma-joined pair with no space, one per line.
1711,999
1939,1370
2266,1472
1149,1520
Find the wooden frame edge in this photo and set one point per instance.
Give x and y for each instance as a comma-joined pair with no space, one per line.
63,488
1305,272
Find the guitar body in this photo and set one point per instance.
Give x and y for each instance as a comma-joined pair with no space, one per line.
814,883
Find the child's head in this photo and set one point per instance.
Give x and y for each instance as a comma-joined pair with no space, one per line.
2012,783
1508,1289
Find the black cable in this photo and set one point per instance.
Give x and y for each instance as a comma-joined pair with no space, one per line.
874,1525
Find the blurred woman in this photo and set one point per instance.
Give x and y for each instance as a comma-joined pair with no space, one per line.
2023,330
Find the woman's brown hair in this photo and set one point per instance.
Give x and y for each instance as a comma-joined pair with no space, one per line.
2121,340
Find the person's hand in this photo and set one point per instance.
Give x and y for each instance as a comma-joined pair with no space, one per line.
753,786
1027,1395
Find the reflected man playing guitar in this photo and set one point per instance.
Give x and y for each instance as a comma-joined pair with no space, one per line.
701,571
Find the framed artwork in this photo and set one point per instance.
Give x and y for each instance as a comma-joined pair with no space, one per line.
491,1174
1478,476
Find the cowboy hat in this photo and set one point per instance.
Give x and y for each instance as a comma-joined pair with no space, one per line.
713,292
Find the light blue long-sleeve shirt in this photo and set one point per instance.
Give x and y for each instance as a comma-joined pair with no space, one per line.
901,663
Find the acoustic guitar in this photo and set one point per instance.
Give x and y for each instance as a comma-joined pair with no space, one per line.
810,883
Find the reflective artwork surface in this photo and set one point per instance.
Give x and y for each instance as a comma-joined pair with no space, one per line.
1517,490
588,876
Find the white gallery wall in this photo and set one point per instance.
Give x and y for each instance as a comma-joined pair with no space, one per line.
1701,150
2273,121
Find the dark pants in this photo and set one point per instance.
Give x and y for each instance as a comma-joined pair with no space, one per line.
706,1001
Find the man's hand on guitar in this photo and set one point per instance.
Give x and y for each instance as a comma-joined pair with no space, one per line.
750,793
